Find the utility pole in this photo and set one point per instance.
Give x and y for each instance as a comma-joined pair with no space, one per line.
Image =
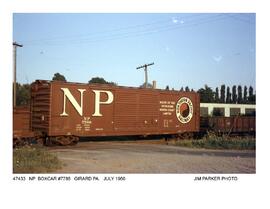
145,71
15,45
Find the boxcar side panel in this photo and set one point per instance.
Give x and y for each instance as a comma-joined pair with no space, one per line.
125,111
179,112
148,115
75,111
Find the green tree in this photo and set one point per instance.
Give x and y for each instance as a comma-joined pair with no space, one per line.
228,95
101,81
167,87
58,77
222,93
149,85
182,88
187,89
252,99
245,95
206,94
234,96
251,96
217,95
22,94
239,95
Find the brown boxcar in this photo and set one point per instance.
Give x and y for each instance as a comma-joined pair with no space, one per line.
72,109
21,120
235,124
21,125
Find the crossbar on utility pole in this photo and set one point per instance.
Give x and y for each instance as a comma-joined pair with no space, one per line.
15,45
145,71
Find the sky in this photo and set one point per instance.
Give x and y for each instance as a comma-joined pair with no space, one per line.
188,49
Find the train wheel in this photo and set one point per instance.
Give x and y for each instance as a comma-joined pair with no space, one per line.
75,140
65,140
40,141
185,135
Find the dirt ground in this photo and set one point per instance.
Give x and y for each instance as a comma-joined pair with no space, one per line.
124,157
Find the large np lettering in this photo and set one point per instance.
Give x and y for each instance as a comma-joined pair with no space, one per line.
98,102
79,107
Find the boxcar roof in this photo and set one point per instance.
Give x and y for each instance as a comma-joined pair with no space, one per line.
110,85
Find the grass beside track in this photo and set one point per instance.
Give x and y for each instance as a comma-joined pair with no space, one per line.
212,141
30,159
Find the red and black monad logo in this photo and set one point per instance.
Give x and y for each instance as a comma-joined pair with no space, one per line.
184,110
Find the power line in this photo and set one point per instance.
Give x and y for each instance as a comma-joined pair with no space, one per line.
71,37
240,19
148,31
151,31
89,35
